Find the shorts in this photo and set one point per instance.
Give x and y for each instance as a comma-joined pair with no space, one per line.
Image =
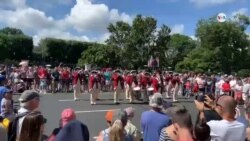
107,82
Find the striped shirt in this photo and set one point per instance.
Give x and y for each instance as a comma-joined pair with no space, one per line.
164,135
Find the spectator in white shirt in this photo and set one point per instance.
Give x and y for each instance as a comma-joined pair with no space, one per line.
227,129
246,88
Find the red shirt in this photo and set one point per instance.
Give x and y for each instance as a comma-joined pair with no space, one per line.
188,85
196,88
226,87
65,74
42,73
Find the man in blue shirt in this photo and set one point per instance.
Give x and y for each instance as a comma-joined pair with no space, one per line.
3,89
154,120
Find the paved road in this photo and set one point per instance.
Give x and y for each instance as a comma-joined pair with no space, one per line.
92,116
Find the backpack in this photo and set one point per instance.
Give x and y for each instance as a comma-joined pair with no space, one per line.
12,130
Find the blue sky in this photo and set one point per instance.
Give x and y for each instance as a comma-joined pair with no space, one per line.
86,20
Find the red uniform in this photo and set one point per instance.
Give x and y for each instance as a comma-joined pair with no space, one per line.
155,84
75,77
129,80
168,78
175,81
116,79
93,81
143,81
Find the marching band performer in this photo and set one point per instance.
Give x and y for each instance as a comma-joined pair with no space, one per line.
76,83
118,85
144,80
168,79
175,83
93,87
136,89
129,81
155,83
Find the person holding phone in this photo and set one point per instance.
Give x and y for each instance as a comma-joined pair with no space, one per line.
209,113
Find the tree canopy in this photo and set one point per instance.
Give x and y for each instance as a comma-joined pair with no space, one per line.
221,47
14,44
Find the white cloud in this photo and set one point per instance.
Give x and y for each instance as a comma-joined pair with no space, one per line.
203,3
27,19
240,11
179,28
193,37
57,34
85,17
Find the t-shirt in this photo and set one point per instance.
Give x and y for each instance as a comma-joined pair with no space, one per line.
2,92
152,123
224,130
4,113
211,115
56,75
107,76
164,135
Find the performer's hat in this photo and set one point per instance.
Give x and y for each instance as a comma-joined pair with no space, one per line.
117,70
176,74
93,71
133,71
77,68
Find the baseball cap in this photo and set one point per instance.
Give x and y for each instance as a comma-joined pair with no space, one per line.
156,100
113,115
5,90
67,116
28,95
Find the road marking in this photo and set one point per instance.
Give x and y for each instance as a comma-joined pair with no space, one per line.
62,100
94,111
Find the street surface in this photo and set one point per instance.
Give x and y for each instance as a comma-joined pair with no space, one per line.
52,105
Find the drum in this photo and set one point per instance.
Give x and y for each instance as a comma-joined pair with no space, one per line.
137,89
137,93
150,91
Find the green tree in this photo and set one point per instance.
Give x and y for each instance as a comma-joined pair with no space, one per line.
226,42
180,46
139,41
101,56
11,31
58,50
14,45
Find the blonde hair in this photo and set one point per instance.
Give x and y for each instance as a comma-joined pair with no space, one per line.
116,131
